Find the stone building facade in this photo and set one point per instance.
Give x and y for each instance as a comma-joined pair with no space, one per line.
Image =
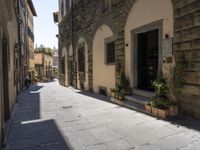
31,13
55,62
8,57
13,57
43,65
90,31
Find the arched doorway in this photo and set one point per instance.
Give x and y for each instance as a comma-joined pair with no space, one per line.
103,60
82,64
145,32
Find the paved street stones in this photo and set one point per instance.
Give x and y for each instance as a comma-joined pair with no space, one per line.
51,117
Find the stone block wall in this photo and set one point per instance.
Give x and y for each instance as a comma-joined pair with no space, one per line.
90,14
187,53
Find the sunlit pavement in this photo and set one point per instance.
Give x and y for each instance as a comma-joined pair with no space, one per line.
51,117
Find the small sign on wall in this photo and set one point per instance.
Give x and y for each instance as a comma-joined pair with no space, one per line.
167,49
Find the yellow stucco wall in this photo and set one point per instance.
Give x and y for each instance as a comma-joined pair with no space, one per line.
103,74
145,12
82,41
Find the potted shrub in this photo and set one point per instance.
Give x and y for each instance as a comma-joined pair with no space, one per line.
124,84
160,102
175,82
148,107
113,92
163,109
154,107
121,94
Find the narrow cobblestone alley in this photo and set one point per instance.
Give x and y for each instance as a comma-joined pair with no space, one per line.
51,117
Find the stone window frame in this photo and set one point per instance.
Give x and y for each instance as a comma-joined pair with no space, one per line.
147,27
106,42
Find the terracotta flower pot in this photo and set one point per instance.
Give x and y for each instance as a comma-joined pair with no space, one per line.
163,113
148,108
120,98
154,111
173,110
113,94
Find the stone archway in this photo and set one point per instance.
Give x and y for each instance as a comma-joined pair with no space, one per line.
157,17
82,64
103,72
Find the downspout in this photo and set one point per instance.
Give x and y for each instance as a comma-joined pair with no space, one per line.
20,48
73,45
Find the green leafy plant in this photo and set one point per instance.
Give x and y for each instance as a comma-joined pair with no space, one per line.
175,82
160,85
113,90
124,82
160,100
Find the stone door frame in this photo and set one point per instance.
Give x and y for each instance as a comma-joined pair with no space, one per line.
148,27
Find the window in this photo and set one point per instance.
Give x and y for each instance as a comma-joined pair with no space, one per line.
110,52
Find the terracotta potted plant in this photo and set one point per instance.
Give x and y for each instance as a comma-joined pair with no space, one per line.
154,107
113,92
163,109
148,108
159,101
121,94
163,113
175,82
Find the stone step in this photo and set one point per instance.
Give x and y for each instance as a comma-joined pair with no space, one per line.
138,99
143,93
129,104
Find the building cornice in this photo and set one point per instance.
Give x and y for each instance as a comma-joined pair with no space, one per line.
30,3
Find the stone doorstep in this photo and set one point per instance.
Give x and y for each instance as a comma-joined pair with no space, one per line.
130,104
137,99
143,93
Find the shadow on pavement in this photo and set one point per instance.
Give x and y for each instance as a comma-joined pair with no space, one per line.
177,121
97,96
28,131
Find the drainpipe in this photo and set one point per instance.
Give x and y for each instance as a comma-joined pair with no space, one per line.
73,45
20,49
